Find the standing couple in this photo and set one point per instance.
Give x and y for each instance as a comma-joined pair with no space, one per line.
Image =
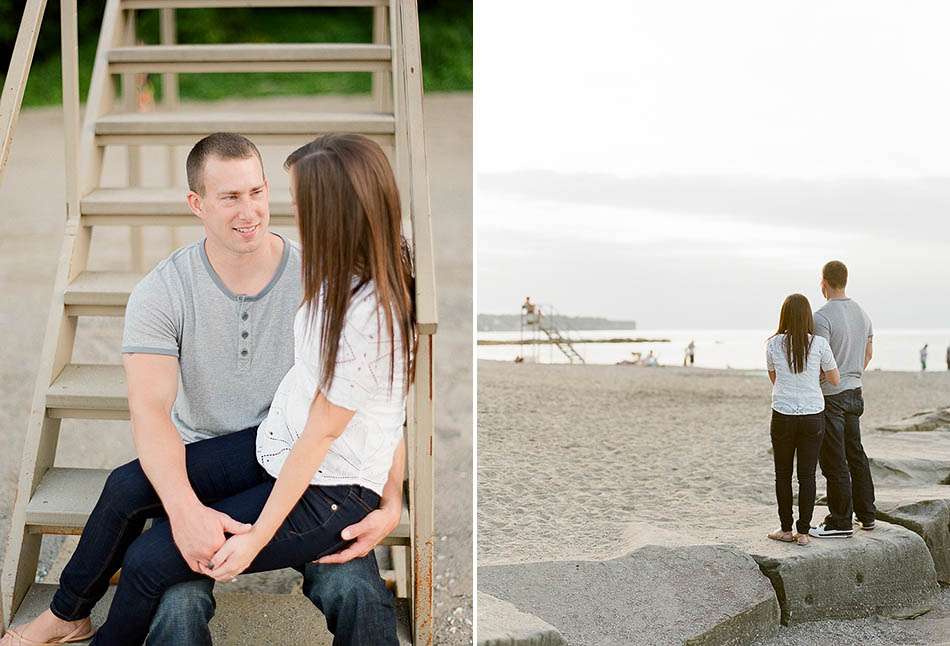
307,349
815,363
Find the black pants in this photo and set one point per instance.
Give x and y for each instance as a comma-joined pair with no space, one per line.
844,463
795,436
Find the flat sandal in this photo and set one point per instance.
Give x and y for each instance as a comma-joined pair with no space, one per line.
784,537
83,632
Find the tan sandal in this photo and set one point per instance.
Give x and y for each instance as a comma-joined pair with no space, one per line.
784,537
802,539
83,632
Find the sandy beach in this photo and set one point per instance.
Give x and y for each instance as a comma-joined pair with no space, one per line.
591,462
33,217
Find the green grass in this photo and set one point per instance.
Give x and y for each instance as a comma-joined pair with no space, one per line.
446,35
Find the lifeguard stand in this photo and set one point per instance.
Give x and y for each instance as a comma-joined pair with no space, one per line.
540,325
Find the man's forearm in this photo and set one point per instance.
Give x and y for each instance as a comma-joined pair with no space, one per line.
162,456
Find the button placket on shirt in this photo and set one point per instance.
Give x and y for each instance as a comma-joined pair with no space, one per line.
244,349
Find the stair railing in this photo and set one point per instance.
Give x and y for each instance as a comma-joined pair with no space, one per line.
14,85
10,104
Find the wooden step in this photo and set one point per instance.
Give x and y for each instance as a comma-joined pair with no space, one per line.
89,391
282,127
240,618
251,57
100,293
211,4
159,206
65,497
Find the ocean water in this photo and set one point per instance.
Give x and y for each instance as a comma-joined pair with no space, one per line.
742,349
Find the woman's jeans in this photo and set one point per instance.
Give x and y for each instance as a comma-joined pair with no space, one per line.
796,437
225,475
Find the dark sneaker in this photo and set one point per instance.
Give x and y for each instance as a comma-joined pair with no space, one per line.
823,531
866,526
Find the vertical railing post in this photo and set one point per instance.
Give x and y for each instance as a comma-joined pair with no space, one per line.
130,101
70,46
413,185
169,36
382,81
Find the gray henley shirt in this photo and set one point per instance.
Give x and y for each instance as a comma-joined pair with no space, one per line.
232,349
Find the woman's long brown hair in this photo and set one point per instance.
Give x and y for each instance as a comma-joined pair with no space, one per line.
348,213
797,324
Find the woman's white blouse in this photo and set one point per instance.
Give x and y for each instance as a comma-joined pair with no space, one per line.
363,454
798,393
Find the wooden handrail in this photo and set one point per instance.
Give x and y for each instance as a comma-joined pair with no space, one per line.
15,83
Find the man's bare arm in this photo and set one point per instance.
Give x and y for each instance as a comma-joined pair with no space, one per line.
868,352
381,522
153,385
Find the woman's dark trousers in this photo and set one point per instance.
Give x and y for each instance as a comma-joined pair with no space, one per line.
224,474
796,438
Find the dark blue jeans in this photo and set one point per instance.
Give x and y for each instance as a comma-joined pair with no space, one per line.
224,474
358,607
844,463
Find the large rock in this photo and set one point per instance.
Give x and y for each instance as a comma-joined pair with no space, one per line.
909,459
501,624
930,420
886,570
927,514
700,595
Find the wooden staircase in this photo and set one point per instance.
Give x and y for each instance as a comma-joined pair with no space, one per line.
58,500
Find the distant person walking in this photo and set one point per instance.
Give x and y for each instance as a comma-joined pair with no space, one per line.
948,357
691,351
923,358
796,360
843,462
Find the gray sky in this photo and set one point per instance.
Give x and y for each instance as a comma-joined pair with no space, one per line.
689,164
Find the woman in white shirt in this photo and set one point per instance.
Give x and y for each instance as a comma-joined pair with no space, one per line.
797,360
319,461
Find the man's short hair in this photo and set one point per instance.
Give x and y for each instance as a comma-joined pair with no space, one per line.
223,145
835,274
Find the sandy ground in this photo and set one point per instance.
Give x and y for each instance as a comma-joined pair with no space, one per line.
591,462
32,216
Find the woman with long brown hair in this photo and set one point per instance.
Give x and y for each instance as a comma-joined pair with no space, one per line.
797,360
321,458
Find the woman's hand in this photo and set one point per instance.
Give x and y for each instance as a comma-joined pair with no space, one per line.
366,534
234,556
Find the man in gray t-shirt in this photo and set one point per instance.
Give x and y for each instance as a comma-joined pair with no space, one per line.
232,349
842,458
